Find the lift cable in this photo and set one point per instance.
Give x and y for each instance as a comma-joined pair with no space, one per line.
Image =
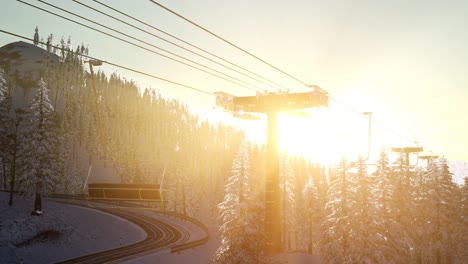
374,121
349,108
205,92
256,57
228,42
188,43
269,64
119,66
139,46
172,43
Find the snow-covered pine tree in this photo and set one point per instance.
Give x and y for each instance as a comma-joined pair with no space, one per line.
4,111
392,244
38,151
366,232
49,43
308,211
36,36
404,204
422,182
70,179
442,221
336,243
9,135
288,201
14,141
241,226
4,129
463,241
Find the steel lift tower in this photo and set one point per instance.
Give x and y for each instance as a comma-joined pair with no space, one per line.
271,104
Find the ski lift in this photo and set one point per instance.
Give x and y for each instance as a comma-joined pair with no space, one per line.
225,102
407,151
124,195
428,158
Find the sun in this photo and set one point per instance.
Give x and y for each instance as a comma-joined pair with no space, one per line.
323,136
319,135
308,137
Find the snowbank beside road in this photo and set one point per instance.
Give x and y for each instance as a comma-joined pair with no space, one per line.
63,231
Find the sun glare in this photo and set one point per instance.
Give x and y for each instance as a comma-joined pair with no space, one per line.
322,136
319,135
309,137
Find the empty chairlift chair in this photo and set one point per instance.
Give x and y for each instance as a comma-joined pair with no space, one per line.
124,195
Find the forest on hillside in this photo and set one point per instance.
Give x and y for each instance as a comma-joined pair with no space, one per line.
68,125
348,213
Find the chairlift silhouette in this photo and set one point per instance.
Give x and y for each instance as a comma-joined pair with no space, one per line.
407,151
225,102
105,195
429,158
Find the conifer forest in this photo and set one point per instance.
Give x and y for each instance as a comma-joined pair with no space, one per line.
351,212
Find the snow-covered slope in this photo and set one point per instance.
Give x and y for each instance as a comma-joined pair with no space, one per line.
459,170
24,58
23,61
63,231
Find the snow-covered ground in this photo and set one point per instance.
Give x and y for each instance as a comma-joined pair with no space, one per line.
66,231
63,231
198,255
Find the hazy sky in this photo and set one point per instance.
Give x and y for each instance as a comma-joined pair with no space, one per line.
405,61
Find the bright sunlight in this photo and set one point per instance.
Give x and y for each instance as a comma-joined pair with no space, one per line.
320,135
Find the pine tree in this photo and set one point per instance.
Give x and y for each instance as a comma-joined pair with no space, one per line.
404,205
36,36
49,43
9,135
391,242
442,220
336,242
4,128
366,232
14,139
288,200
463,231
309,210
241,224
4,112
39,147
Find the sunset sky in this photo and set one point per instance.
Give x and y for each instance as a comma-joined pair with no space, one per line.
405,61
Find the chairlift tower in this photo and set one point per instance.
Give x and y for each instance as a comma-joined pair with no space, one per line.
271,104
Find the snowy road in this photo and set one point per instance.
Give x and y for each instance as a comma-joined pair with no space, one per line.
83,231
160,236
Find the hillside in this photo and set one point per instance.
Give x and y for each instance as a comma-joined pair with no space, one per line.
125,135
23,63
119,132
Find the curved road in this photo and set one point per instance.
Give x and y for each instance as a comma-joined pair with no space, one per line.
160,235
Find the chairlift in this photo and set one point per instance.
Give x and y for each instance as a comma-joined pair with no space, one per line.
124,195
407,151
429,158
